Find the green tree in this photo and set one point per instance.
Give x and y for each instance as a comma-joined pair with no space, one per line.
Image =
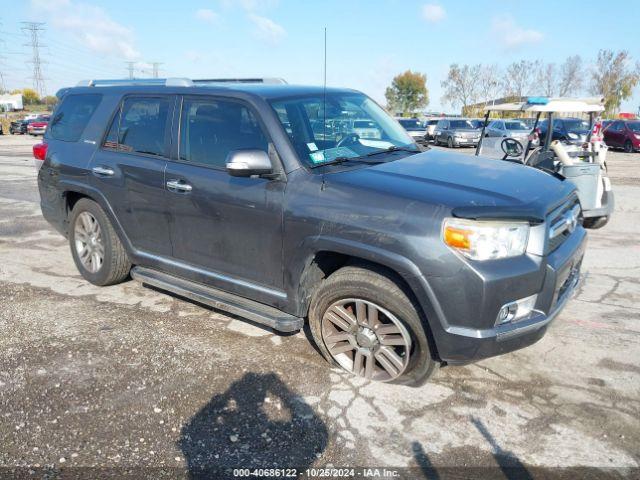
614,78
408,93
50,101
30,96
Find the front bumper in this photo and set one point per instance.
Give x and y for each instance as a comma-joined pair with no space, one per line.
554,283
606,209
465,142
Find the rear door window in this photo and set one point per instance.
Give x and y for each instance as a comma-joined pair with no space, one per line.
73,115
140,126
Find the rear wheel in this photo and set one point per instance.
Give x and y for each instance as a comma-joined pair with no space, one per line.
628,146
365,323
95,246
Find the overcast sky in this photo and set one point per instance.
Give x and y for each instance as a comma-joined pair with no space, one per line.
369,41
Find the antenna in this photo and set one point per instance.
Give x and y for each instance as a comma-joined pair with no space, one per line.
324,90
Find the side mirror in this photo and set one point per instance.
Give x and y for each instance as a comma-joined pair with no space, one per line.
245,163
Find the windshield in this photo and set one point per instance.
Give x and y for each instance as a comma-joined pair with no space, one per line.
460,124
574,125
515,126
350,126
411,124
635,126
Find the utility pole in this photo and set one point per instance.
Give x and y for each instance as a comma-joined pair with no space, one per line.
2,57
33,29
130,67
155,66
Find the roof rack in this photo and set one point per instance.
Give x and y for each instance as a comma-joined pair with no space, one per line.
167,82
175,82
269,80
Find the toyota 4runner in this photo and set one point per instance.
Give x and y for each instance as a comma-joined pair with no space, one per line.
225,194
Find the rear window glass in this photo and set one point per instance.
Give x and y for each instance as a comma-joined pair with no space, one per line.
139,126
72,116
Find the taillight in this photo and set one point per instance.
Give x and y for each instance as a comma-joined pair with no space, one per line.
40,151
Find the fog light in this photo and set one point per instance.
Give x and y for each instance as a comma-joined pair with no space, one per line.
514,311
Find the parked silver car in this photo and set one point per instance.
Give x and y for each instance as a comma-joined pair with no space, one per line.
456,132
508,128
430,126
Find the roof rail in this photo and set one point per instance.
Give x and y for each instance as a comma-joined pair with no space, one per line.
269,80
167,82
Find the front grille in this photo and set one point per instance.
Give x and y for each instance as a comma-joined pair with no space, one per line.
560,219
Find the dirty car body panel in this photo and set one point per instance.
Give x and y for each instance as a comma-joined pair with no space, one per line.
268,231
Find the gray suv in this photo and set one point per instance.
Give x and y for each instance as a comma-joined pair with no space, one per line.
456,132
225,194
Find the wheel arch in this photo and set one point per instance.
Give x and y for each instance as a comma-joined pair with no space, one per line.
73,192
321,263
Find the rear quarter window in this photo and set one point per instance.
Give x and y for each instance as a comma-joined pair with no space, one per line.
73,115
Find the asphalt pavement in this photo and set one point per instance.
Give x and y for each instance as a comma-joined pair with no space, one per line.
130,379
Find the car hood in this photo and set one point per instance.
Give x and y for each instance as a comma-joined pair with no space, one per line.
472,187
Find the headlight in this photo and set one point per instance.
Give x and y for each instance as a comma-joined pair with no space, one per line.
572,135
486,240
637,135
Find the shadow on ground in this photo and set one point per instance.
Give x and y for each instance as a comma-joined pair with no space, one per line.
256,423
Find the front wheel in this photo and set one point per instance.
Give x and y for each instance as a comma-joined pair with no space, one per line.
97,252
450,142
365,323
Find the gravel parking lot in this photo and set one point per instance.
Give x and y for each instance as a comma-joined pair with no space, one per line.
126,377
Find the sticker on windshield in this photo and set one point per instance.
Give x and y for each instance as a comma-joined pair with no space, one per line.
317,157
312,147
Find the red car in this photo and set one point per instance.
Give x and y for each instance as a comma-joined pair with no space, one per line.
38,126
623,134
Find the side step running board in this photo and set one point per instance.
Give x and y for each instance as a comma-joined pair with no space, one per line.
257,312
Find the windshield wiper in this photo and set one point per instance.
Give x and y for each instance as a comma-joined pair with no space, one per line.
339,160
394,148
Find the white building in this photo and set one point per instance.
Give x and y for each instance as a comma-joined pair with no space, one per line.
9,103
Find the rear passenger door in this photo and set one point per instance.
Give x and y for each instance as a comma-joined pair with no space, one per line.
228,230
129,170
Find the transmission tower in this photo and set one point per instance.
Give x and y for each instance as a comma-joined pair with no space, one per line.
33,29
130,68
155,66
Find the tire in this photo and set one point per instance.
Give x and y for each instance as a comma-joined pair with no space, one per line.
115,264
450,142
395,310
628,146
594,223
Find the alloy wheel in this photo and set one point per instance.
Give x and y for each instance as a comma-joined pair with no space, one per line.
366,340
88,242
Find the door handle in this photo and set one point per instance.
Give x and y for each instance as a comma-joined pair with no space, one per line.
103,171
179,185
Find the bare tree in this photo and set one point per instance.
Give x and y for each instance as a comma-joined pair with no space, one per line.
461,85
571,76
489,85
614,78
547,79
520,78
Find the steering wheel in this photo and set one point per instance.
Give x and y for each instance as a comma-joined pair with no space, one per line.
511,148
348,139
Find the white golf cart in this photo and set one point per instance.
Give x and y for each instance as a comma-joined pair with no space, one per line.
581,162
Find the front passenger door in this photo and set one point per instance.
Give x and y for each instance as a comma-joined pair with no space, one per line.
226,231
